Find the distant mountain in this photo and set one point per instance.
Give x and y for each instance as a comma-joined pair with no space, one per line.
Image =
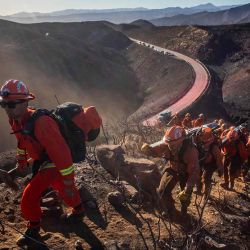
112,15
143,23
26,14
212,8
235,15
73,11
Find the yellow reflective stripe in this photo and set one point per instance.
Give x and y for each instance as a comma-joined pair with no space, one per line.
67,171
20,151
49,165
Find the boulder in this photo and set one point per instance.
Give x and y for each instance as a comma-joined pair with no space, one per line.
131,191
111,158
116,198
8,160
141,173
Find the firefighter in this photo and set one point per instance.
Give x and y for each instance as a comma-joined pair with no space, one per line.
218,132
182,157
199,121
210,159
234,155
247,166
176,120
49,149
187,121
220,122
244,137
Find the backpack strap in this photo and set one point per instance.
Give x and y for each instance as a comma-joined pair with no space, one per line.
187,143
29,128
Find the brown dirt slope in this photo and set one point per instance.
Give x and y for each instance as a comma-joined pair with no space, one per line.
225,219
159,76
79,62
87,63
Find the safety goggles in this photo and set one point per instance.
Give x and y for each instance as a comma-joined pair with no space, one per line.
6,93
11,105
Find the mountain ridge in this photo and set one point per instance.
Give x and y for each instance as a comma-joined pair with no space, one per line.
125,15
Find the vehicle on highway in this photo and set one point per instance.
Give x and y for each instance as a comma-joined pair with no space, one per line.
164,116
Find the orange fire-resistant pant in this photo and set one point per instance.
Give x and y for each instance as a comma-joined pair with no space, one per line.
46,178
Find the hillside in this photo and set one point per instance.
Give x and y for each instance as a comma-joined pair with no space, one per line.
90,63
231,16
80,62
224,49
159,77
137,223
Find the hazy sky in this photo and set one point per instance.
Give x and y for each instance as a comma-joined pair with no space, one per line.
13,6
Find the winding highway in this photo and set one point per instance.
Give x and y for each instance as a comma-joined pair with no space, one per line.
199,87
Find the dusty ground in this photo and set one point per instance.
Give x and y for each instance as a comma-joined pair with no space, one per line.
226,219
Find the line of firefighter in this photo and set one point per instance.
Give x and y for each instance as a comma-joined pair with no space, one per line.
192,162
56,169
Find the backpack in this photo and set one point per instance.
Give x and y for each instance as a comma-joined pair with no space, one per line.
187,143
76,124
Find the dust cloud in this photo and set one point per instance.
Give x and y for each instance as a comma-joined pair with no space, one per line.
48,89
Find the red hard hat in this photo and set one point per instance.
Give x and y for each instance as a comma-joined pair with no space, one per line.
207,135
15,90
174,133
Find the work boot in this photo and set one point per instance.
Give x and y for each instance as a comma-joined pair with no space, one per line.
30,233
77,214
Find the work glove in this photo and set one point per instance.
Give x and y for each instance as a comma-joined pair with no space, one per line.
69,185
146,149
183,196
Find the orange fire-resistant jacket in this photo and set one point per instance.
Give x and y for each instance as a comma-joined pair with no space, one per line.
187,123
49,139
231,149
198,122
190,162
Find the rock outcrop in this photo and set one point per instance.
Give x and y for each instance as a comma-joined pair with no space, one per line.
141,173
